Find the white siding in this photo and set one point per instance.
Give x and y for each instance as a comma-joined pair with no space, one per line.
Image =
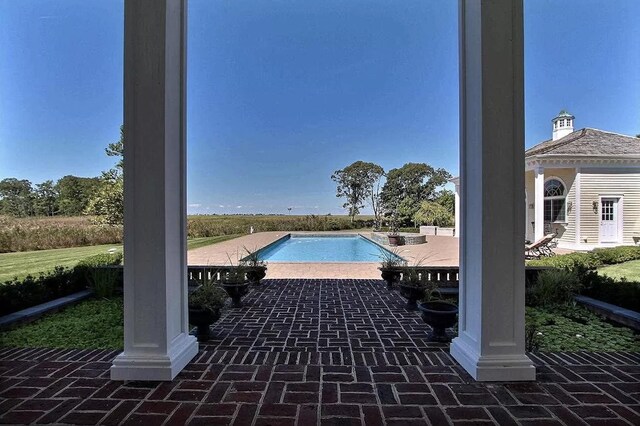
596,183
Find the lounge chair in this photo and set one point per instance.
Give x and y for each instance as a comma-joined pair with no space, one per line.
540,248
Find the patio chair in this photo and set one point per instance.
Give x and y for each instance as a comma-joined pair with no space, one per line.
539,248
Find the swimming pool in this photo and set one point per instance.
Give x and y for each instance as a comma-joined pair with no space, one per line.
328,248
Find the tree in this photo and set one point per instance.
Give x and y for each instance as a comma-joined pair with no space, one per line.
74,194
408,186
447,199
359,183
16,197
108,202
46,198
433,213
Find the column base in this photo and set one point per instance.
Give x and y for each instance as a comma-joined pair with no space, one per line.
155,367
492,368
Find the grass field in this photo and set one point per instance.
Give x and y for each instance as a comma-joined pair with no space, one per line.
47,233
22,264
627,270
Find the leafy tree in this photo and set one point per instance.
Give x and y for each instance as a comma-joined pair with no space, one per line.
447,199
408,186
359,183
74,194
433,213
46,198
16,197
108,202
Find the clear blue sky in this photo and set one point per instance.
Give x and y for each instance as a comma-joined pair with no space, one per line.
281,94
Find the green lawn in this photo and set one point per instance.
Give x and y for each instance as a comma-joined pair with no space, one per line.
628,270
21,264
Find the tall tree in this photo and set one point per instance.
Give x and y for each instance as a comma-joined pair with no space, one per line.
447,199
433,213
46,198
74,193
359,183
408,186
108,202
16,197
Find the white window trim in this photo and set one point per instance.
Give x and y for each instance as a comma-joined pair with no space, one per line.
620,217
558,197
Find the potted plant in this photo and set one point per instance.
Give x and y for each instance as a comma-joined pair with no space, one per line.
256,268
411,287
437,313
394,231
205,304
391,265
235,282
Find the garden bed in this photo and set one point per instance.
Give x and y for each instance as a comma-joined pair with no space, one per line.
98,324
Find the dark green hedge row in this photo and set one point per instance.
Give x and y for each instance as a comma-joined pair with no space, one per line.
625,294
590,260
16,295
621,293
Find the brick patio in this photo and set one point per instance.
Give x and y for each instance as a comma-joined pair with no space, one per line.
341,352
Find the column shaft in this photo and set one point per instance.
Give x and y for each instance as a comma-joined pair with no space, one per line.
157,344
490,345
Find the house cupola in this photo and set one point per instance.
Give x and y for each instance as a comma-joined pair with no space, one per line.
562,125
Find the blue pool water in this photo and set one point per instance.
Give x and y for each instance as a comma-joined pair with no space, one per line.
322,249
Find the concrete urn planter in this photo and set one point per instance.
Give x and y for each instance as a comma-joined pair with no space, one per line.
202,319
391,276
236,291
439,316
412,293
256,273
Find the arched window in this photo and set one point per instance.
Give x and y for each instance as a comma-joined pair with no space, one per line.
554,201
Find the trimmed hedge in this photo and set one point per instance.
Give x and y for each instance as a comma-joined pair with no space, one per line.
16,295
625,294
590,260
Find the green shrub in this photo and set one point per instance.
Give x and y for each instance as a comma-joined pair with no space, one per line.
208,297
103,282
102,259
625,294
590,260
587,260
553,287
613,255
16,294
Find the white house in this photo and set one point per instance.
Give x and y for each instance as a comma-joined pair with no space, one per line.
584,185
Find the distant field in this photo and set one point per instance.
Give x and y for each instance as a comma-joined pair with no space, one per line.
33,262
206,226
44,233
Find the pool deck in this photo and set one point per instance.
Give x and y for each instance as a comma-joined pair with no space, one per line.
438,251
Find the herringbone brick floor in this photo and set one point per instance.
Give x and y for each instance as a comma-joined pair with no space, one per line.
304,352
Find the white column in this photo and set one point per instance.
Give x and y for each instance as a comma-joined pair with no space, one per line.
458,225
490,344
539,203
157,344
